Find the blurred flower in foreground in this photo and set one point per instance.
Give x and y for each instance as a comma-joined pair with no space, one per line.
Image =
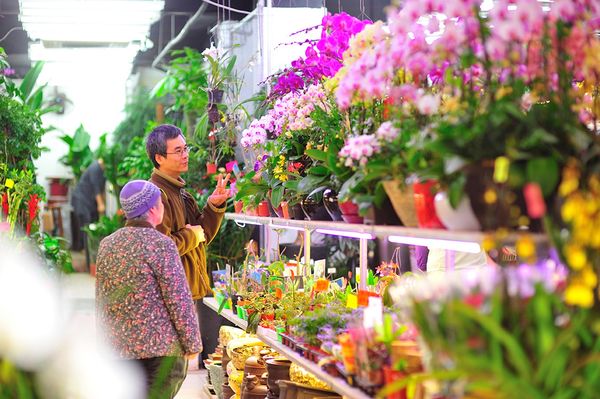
46,350
30,325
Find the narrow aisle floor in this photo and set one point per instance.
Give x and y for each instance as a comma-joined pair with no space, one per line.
78,290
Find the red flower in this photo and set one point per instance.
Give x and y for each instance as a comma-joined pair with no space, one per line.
387,106
294,166
33,210
5,204
475,300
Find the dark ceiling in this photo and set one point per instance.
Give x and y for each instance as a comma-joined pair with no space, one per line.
175,16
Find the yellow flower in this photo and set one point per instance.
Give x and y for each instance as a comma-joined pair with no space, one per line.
579,295
525,247
503,91
450,104
570,208
490,196
576,256
488,243
331,84
588,277
10,183
567,186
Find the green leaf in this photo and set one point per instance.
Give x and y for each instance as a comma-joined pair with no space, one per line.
317,155
456,190
545,172
201,131
318,170
309,182
230,65
81,139
36,99
277,196
29,80
515,353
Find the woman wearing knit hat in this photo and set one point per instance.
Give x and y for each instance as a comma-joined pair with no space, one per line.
143,302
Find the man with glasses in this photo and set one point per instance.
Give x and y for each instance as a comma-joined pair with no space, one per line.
191,229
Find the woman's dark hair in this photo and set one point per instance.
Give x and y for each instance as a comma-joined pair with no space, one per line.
156,142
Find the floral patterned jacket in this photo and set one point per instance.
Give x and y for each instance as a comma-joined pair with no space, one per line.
143,302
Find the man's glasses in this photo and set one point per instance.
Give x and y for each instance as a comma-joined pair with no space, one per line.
180,151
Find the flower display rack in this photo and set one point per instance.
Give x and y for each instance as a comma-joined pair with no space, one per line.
449,240
337,384
269,337
226,313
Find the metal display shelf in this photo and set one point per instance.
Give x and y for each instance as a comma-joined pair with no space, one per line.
446,239
226,313
269,337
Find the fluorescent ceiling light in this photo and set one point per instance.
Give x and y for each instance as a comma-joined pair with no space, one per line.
460,246
37,52
343,233
89,20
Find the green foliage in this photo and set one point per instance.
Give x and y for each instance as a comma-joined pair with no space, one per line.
21,108
136,164
186,80
250,191
55,252
19,196
16,383
20,133
535,348
104,227
311,323
79,156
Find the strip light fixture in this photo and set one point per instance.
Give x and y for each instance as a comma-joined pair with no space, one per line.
120,21
343,233
460,246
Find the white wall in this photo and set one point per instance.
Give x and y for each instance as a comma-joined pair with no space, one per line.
95,83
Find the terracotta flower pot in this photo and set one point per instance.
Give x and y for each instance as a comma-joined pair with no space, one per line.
424,192
403,202
263,209
285,210
58,188
238,206
211,168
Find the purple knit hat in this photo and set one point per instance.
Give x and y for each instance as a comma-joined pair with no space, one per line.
137,197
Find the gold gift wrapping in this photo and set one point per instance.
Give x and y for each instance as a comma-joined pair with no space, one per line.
228,333
301,376
231,368
235,381
240,349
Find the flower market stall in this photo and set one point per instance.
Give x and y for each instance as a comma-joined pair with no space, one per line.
465,130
